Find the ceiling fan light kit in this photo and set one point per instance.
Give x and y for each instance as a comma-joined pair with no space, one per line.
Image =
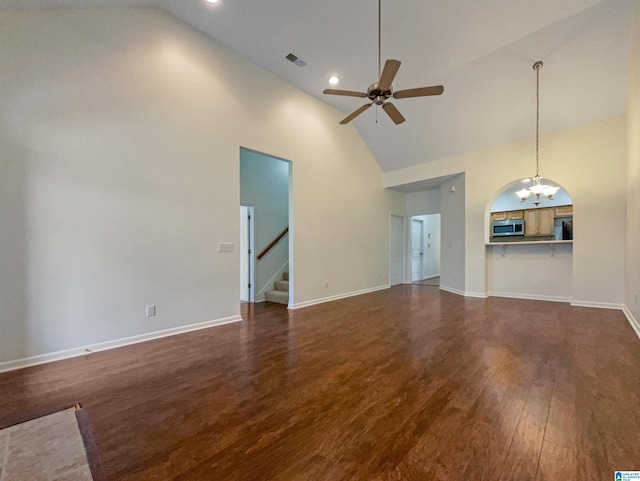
538,191
379,93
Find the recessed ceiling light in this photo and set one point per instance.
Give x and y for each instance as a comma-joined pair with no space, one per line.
334,80
212,1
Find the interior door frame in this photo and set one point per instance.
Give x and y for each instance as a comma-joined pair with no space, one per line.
251,253
421,257
403,247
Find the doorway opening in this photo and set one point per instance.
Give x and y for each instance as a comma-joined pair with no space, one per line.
265,184
425,249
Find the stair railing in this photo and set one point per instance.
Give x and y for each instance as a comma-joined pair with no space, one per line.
273,243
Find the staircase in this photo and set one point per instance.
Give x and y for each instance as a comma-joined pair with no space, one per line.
280,294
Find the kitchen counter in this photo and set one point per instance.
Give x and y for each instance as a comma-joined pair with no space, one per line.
510,243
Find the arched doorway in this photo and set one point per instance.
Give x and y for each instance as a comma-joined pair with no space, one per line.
530,246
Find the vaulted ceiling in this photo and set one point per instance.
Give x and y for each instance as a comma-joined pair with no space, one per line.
481,51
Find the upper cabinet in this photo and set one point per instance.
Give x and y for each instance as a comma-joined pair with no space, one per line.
564,211
538,222
509,215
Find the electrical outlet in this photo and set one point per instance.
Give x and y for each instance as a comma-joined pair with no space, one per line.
326,284
636,299
151,311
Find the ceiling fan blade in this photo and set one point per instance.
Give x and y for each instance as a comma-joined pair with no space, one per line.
419,92
347,93
393,113
352,116
388,74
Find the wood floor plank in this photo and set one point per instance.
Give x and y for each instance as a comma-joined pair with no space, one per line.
409,383
524,452
556,462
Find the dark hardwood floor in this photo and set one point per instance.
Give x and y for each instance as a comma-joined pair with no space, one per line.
410,383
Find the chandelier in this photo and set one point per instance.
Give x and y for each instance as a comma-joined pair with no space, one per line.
538,191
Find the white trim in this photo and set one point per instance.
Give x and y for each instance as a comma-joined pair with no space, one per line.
430,277
476,295
597,305
338,296
632,320
533,297
452,290
103,346
403,255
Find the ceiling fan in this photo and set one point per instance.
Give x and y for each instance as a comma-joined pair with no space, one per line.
378,93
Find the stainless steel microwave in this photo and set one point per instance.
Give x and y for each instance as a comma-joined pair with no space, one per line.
501,228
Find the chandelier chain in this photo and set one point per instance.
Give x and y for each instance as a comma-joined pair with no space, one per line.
537,190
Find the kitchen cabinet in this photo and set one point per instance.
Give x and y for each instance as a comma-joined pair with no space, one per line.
509,215
538,222
564,211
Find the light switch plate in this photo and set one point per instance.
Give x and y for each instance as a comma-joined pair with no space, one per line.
225,247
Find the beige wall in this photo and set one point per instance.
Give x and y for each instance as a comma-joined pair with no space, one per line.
424,202
589,161
452,234
119,140
632,293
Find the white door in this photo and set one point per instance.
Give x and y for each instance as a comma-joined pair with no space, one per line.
416,249
395,251
246,253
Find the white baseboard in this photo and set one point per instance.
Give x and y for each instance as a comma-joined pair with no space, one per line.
338,296
477,295
452,290
430,277
533,297
103,346
635,324
597,305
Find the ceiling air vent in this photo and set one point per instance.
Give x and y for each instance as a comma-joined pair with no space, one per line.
295,59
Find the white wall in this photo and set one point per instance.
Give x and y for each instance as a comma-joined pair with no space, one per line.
119,140
264,184
452,228
423,202
632,265
530,271
589,161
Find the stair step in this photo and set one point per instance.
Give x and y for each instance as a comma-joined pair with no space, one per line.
285,276
282,286
279,297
